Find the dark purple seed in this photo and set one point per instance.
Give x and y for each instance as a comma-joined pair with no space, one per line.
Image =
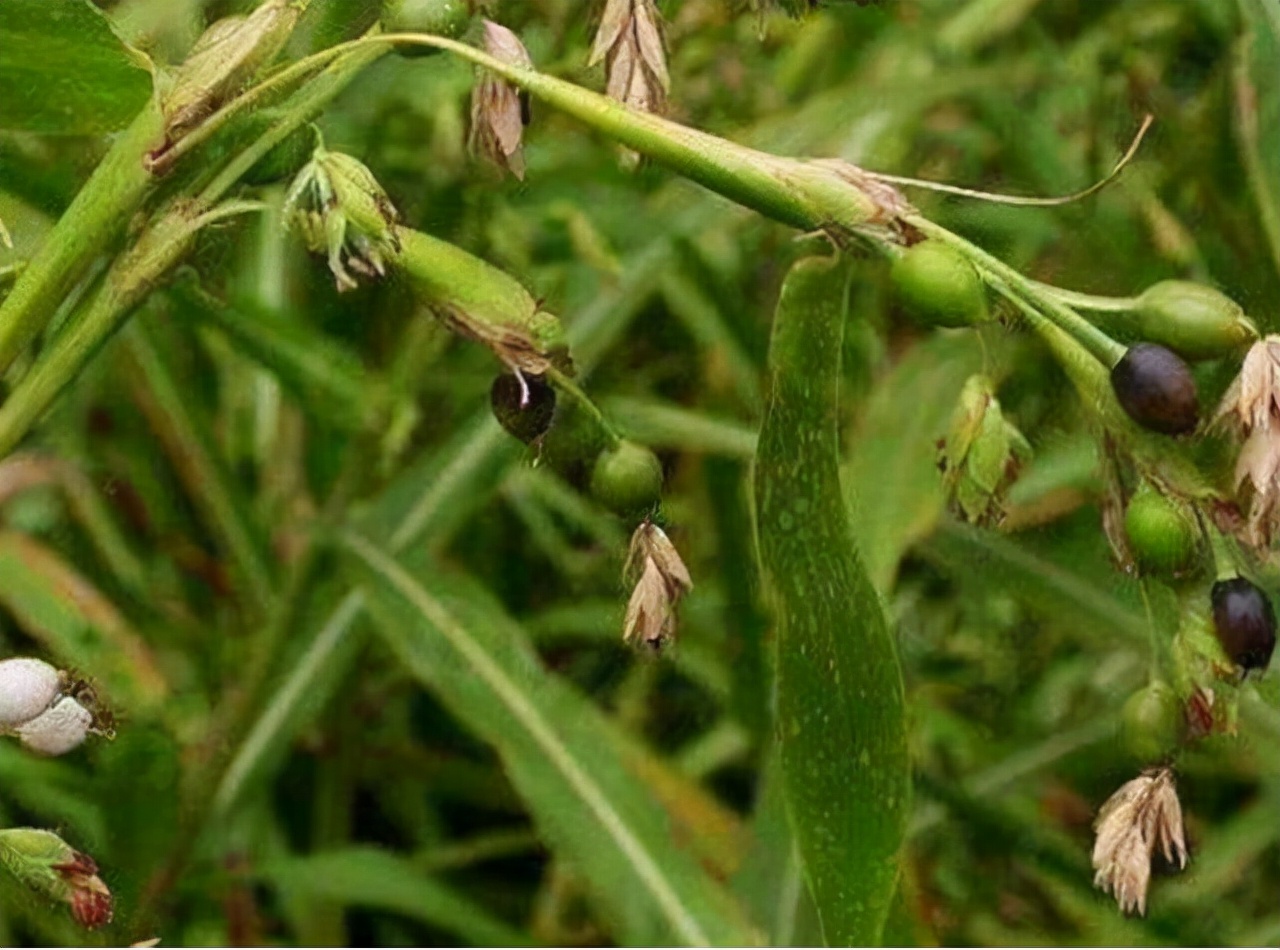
1156,389
525,421
1244,622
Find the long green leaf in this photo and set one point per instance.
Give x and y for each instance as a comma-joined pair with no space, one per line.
841,722
367,877
556,749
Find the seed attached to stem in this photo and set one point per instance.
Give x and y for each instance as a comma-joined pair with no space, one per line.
1161,535
523,410
1156,388
1244,622
627,479
938,287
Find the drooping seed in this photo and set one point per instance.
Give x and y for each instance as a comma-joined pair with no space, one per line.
1244,622
1156,388
524,411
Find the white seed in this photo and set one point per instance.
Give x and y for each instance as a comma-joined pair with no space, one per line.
27,688
59,730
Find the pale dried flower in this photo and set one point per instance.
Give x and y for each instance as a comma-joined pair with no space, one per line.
498,111
1252,403
1141,818
629,41
339,209
661,581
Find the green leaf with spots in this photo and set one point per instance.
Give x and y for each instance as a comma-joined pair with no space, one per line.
64,71
840,716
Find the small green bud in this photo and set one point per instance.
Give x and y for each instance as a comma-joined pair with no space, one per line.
51,867
937,286
225,58
574,441
1161,533
627,479
982,453
1194,320
448,18
1152,723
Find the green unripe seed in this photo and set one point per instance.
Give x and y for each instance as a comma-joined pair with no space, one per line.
442,17
1152,723
938,287
1194,320
1162,536
627,479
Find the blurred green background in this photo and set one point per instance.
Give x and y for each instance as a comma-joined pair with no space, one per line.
152,525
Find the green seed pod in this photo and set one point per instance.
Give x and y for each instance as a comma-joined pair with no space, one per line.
1152,723
627,479
1161,533
1192,319
442,17
938,286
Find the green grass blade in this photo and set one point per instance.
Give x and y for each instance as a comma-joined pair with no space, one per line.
556,749
369,878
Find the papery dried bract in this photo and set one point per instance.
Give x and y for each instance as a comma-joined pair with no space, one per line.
1252,403
630,42
661,581
1141,818
498,113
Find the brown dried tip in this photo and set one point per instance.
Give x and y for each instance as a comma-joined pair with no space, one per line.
1143,816
498,114
629,41
661,580
1252,403
89,897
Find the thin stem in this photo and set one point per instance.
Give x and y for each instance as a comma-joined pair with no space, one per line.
1105,349
571,389
1226,563
1093,302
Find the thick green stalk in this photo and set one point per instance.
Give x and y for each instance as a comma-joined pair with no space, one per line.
95,218
809,195
841,719
137,271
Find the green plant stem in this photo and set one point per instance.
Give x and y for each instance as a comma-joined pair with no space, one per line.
138,270
1226,563
805,195
100,211
568,387
1092,302
1102,347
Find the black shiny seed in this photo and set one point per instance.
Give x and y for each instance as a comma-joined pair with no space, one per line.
1244,622
1156,389
525,422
